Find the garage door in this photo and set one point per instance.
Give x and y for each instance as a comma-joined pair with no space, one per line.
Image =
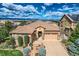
50,37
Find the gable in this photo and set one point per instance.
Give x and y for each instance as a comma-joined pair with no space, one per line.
67,17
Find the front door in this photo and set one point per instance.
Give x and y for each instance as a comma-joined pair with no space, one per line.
39,33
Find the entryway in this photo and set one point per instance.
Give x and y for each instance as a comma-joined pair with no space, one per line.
39,33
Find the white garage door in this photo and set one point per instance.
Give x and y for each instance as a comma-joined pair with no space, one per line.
50,37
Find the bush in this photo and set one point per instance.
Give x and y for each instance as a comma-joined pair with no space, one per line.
26,39
73,48
20,41
10,43
26,51
10,53
42,52
13,43
31,45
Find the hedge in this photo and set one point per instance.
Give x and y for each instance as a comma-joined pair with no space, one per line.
10,53
20,41
26,40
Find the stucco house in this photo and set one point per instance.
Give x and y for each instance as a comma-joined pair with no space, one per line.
47,31
67,23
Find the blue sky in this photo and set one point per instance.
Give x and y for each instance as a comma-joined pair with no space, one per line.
45,11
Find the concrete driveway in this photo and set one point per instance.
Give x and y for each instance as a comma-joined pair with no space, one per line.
55,48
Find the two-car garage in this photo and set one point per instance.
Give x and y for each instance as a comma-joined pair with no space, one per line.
51,36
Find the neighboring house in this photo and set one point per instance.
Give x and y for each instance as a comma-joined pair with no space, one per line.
37,29
2,25
68,23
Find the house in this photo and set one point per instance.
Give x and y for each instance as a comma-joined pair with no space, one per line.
68,23
47,31
2,25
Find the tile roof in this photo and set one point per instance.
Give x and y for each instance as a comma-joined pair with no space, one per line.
75,17
72,17
31,27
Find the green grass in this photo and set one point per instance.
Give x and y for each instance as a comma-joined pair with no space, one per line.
10,53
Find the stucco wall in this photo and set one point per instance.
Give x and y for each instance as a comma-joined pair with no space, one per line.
16,38
40,29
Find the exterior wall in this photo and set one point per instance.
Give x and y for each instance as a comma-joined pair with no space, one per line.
65,23
73,25
66,26
16,38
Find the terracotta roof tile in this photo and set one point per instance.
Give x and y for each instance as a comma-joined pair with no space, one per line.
31,27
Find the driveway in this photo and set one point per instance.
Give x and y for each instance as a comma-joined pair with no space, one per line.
55,48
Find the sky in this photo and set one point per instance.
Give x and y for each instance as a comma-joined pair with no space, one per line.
46,11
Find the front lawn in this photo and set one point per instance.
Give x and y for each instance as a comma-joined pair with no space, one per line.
10,53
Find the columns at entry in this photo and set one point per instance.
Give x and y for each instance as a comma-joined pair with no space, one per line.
30,38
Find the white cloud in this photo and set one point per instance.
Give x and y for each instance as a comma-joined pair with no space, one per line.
29,8
65,7
18,11
4,9
48,4
75,12
43,7
50,13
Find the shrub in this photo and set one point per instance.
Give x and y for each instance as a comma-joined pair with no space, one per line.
42,52
26,51
31,45
10,53
26,39
13,43
10,43
73,48
17,53
20,41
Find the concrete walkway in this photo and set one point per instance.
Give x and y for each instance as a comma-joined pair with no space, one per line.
55,48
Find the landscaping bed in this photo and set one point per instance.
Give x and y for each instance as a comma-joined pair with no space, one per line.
10,53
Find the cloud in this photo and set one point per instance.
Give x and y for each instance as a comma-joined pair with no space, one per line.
65,7
4,9
18,11
51,13
29,8
43,9
48,4
75,12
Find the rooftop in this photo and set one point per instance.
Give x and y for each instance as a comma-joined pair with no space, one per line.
31,27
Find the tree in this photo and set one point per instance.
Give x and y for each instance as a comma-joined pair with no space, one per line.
23,23
10,43
20,41
13,43
3,33
26,39
8,26
73,46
